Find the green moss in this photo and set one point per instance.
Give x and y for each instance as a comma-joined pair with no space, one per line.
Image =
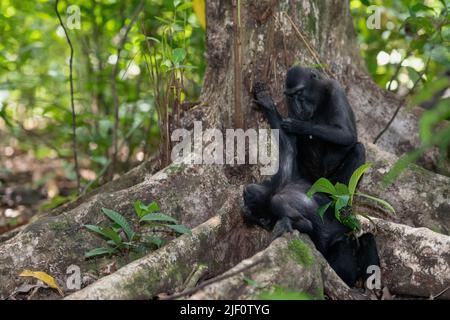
280,293
439,229
142,285
145,284
319,293
312,20
301,252
174,168
312,24
59,227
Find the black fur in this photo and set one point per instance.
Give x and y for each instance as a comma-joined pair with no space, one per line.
280,204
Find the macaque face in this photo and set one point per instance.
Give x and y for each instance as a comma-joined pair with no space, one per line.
302,94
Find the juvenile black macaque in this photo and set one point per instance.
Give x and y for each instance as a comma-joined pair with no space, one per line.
281,203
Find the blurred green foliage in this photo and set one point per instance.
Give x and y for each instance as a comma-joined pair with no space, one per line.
406,54
34,85
411,34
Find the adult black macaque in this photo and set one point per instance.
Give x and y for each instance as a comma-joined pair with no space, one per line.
321,117
281,203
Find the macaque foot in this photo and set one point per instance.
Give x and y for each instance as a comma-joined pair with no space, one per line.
281,227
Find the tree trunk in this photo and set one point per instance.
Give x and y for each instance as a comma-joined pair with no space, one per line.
270,36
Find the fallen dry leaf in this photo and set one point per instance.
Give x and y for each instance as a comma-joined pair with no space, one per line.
44,277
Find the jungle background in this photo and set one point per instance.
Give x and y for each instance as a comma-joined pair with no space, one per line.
127,93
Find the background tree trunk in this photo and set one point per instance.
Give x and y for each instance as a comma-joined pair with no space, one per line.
269,40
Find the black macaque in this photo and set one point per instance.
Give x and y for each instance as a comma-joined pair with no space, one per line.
280,204
322,119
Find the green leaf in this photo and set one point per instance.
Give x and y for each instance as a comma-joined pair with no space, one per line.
99,251
356,176
351,222
322,209
113,235
380,201
184,6
365,2
401,164
158,217
179,54
157,241
142,209
116,227
341,202
95,229
412,74
153,39
100,160
105,232
429,90
153,207
341,189
322,185
121,221
138,208
421,7
252,282
180,66
179,228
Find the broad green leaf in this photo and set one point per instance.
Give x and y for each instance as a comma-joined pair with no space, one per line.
180,66
341,202
164,21
341,189
158,217
105,232
113,235
184,6
157,241
99,251
322,185
252,282
366,2
356,176
138,208
421,7
179,228
95,229
100,160
322,209
412,74
153,39
121,221
351,222
430,120
429,90
179,54
380,201
116,227
153,207
401,164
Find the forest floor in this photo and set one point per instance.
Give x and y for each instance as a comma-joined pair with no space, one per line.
29,185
